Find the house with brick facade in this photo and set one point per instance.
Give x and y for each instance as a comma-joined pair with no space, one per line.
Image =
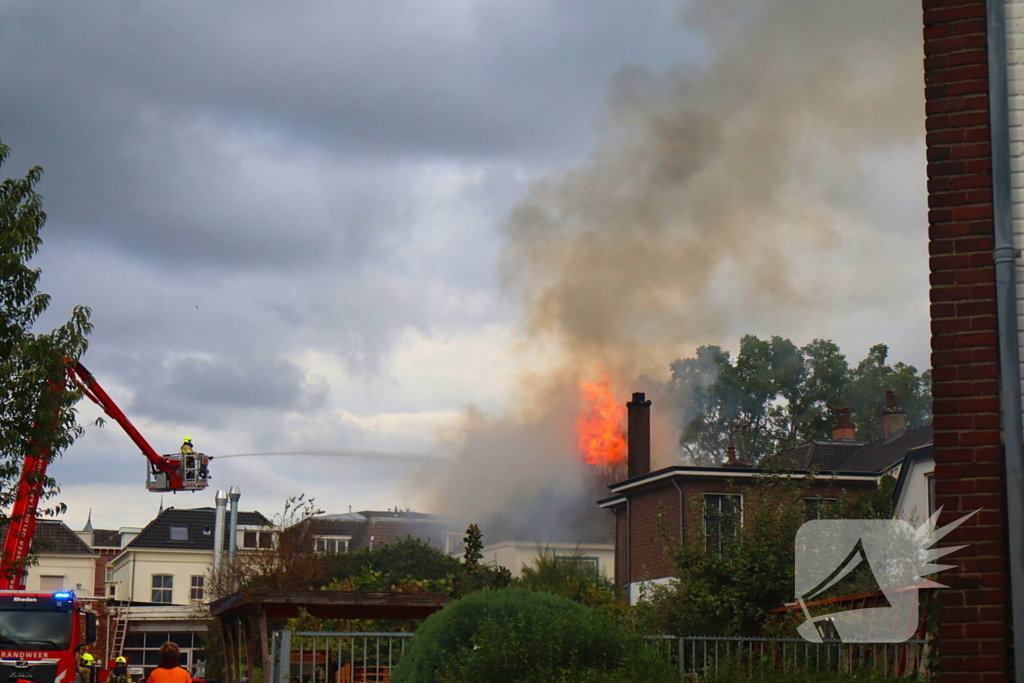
657,511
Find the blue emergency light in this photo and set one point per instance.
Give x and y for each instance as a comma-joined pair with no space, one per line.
63,596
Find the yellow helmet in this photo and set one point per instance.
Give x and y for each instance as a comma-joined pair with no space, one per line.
86,657
120,660
188,439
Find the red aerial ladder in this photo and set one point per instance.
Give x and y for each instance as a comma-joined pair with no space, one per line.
175,472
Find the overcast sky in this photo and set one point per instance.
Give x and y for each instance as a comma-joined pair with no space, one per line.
290,222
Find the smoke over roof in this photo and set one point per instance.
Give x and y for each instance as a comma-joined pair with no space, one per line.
716,200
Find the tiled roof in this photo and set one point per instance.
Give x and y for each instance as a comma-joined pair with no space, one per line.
199,525
852,456
106,538
824,456
880,455
54,537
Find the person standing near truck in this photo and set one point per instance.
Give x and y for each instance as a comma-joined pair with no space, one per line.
169,670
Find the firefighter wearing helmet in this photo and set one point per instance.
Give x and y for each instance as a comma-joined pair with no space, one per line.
119,674
87,669
186,446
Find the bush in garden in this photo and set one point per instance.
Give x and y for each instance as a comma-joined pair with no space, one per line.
513,635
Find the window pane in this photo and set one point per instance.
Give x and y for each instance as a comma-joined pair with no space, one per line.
722,515
249,539
179,533
51,584
266,540
182,639
198,581
134,640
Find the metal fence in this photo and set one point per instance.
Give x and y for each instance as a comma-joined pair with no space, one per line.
339,657
701,657
357,657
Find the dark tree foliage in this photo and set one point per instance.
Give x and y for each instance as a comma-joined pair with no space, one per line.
37,415
406,560
473,575
774,395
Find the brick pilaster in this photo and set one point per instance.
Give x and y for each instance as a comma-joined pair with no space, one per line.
969,460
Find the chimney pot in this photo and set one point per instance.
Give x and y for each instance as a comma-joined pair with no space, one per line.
639,436
843,429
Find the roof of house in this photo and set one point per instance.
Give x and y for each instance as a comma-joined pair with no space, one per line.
54,537
383,527
820,455
853,456
880,455
198,524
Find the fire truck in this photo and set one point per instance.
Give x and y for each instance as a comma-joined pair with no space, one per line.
40,633
40,636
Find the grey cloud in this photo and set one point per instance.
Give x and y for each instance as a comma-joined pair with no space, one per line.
200,389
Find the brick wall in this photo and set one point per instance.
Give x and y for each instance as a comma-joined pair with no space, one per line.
654,521
968,456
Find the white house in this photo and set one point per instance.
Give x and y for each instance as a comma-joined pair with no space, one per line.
168,562
63,561
914,495
160,575
514,555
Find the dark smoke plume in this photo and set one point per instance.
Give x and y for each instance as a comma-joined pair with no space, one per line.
716,198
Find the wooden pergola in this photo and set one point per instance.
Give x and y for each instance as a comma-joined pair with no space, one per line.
248,612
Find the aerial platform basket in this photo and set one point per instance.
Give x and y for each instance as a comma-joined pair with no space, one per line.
191,474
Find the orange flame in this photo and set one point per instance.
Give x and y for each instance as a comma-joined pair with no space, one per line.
602,440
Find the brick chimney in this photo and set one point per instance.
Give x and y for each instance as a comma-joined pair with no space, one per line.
639,435
894,420
732,460
843,429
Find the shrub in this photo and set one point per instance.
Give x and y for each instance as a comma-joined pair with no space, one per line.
568,576
513,635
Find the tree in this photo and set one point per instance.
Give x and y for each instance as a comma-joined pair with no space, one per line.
473,575
775,395
37,415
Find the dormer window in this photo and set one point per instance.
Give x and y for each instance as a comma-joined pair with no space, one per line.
179,533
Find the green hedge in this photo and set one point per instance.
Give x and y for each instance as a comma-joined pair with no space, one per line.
513,635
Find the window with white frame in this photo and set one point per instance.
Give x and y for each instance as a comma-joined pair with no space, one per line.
591,564
163,588
330,544
723,515
930,481
258,539
196,590
815,508
110,573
